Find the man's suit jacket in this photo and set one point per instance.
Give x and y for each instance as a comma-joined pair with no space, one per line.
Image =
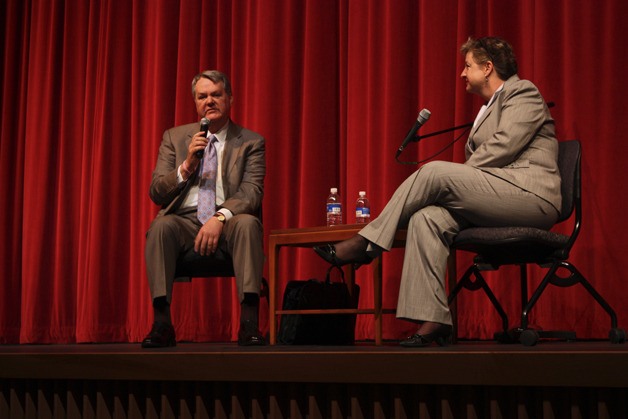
515,140
243,169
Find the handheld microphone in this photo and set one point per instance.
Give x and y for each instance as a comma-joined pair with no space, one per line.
204,128
424,115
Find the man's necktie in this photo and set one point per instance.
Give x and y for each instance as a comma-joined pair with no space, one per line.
207,187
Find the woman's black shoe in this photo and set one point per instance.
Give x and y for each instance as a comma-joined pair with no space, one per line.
328,252
440,336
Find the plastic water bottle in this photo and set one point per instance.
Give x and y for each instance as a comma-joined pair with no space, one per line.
362,209
334,208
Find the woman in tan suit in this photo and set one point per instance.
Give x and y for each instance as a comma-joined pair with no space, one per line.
510,177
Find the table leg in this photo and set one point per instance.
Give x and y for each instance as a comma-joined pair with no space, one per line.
377,298
273,258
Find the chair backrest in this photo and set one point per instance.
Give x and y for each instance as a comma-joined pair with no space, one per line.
569,154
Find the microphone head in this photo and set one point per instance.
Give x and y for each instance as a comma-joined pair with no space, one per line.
424,115
204,128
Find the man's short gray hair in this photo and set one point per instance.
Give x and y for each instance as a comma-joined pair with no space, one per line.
215,76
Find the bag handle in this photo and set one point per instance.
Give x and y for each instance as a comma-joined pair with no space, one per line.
331,268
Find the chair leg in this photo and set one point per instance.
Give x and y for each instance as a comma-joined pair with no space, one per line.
547,279
479,283
529,337
577,277
523,274
574,278
616,335
463,283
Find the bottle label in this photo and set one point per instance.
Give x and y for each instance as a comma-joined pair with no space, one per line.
362,212
334,208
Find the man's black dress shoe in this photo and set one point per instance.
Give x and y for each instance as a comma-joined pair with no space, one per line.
160,336
249,334
328,252
440,336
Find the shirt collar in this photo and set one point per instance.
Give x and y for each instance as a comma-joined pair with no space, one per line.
221,135
499,89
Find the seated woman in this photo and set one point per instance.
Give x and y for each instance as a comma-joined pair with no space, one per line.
510,177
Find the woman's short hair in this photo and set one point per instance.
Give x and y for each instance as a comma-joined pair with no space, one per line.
215,76
493,49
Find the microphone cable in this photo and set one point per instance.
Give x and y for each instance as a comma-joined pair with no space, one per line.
467,129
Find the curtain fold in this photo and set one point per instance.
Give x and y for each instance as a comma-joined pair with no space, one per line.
88,88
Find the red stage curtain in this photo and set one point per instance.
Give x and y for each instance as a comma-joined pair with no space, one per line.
88,87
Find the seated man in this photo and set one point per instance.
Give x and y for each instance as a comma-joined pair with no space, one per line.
210,187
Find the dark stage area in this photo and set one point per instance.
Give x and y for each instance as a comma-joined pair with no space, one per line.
468,379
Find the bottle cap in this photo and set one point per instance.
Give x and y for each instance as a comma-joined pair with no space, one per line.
362,193
333,190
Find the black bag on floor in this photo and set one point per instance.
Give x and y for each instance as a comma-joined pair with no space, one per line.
318,329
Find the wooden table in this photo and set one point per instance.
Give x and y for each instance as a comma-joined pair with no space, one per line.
313,236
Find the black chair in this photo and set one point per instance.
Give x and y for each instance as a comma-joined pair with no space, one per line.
498,246
191,264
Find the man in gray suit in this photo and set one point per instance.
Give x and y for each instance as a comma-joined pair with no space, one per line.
510,177
230,226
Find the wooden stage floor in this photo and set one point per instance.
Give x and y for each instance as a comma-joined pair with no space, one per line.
550,363
575,380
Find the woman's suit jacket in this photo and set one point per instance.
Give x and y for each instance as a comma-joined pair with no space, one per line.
515,141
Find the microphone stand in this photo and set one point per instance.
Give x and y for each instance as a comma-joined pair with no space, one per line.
432,134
